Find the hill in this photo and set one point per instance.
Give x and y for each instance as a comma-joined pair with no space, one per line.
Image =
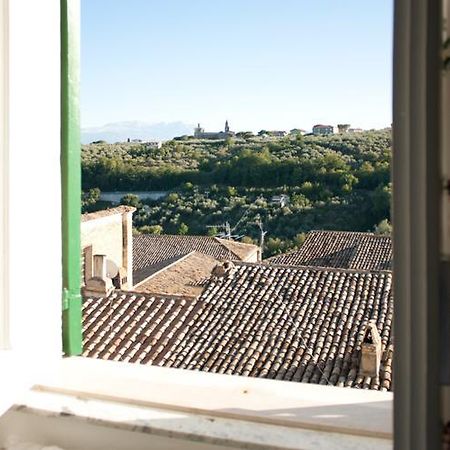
337,182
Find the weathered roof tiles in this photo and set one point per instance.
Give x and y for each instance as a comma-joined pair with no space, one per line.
151,253
184,276
288,323
344,249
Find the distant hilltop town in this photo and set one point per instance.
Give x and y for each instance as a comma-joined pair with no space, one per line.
330,129
317,130
200,133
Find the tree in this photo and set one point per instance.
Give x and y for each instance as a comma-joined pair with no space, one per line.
212,231
300,200
333,182
244,134
384,227
229,141
299,239
131,200
151,229
231,191
274,246
184,229
173,197
381,200
90,198
248,240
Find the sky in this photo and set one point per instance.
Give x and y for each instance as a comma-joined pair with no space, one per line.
261,64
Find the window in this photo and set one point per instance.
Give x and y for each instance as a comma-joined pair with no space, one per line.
418,400
223,186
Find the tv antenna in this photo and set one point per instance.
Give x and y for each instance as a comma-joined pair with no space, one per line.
259,223
226,234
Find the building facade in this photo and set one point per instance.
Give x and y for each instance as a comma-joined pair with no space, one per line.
106,243
323,129
200,133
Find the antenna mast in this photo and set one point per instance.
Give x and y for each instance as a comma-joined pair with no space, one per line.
260,225
224,226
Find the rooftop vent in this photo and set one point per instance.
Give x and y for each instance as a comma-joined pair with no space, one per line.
226,269
370,352
100,285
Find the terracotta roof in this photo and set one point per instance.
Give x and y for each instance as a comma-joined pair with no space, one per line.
288,323
142,274
185,276
242,251
122,209
150,249
345,249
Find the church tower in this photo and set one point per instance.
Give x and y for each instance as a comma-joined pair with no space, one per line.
227,128
198,132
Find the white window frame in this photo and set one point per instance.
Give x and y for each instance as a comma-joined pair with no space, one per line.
4,181
30,236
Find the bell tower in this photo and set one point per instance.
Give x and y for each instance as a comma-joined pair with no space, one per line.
198,131
227,128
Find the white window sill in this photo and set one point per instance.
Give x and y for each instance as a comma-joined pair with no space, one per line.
210,408
19,371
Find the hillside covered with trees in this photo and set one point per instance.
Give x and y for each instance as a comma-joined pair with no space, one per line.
339,182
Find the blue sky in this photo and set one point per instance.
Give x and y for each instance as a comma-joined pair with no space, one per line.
261,64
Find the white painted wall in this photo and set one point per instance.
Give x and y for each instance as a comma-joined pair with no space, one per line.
34,190
111,236
106,237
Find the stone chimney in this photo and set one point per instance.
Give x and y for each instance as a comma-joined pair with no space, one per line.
370,352
99,285
224,270
127,249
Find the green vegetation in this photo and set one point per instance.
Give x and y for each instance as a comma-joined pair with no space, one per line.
339,182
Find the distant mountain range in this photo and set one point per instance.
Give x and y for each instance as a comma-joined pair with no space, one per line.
121,131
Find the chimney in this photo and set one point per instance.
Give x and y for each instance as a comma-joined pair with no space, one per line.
127,249
370,352
99,285
224,270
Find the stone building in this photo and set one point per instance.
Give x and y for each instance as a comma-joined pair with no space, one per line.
323,129
200,133
107,249
113,258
